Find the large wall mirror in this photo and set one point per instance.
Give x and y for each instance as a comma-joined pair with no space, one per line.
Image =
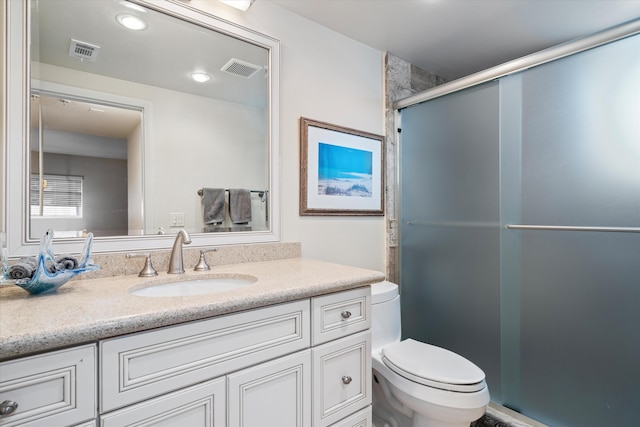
134,119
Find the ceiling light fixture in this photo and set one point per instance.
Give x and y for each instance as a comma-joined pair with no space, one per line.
200,77
243,5
131,22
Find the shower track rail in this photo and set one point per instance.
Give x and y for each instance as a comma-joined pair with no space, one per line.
480,224
454,224
560,51
573,228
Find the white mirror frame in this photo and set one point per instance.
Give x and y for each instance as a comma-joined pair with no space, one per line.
16,85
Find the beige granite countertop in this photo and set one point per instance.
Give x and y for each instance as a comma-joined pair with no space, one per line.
87,310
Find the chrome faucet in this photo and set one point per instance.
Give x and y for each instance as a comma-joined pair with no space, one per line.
175,261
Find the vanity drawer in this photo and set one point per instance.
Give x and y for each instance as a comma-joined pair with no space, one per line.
342,378
143,365
340,314
52,389
363,418
202,405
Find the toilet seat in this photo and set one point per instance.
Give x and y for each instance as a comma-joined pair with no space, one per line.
433,366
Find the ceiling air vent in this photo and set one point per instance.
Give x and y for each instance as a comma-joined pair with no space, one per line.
240,68
83,50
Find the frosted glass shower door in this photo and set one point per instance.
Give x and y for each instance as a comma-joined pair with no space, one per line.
572,291
450,237
520,234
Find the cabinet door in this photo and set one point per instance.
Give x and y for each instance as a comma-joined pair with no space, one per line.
50,389
202,405
341,378
272,394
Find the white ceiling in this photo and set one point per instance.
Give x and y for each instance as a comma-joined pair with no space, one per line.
162,55
455,38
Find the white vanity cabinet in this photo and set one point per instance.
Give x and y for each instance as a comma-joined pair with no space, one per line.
51,389
304,363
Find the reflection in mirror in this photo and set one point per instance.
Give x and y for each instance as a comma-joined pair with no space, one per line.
79,175
144,173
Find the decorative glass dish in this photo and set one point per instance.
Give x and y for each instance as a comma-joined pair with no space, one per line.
51,273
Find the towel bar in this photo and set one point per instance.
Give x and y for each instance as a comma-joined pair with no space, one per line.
260,192
573,228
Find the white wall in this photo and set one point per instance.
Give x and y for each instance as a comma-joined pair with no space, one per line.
328,77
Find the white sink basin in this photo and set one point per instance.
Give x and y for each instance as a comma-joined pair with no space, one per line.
189,287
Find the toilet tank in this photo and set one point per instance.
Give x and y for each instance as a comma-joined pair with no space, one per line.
385,315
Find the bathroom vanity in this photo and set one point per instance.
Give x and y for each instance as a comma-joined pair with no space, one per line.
291,349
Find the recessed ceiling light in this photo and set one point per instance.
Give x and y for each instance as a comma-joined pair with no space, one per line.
131,22
200,77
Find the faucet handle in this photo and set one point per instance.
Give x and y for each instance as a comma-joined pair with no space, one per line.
202,263
147,270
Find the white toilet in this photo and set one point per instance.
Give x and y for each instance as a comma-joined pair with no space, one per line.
417,384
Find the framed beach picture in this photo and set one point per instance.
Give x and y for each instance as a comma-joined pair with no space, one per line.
341,170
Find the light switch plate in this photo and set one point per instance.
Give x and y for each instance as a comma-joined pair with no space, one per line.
176,219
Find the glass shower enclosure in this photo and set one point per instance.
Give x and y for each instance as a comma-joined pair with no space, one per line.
520,233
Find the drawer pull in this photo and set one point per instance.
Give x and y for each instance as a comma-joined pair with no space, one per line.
7,408
346,379
345,314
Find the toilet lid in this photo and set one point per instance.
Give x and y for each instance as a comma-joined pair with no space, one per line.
433,366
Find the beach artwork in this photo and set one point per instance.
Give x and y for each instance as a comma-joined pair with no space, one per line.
341,170
344,171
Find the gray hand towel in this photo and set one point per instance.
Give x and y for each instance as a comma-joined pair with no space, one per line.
213,200
67,263
24,268
240,206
